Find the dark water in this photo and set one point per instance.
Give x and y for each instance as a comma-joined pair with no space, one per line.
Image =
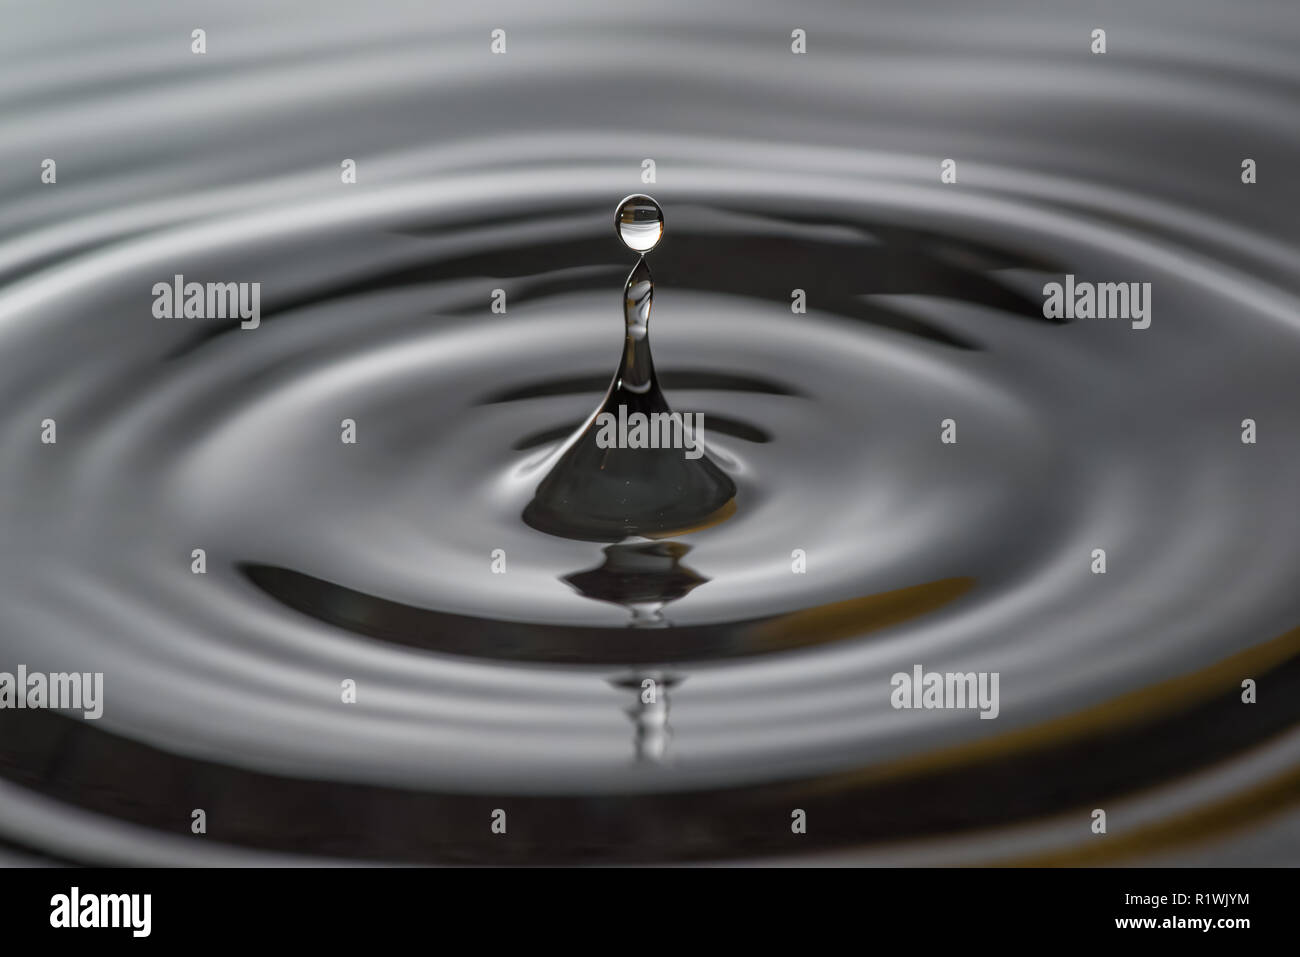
373,561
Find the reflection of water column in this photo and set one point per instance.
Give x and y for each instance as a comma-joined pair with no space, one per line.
643,577
650,712
649,614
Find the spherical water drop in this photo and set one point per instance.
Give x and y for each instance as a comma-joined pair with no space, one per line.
639,222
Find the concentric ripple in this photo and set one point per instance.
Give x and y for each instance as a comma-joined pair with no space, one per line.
374,561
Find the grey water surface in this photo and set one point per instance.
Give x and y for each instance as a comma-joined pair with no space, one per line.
374,562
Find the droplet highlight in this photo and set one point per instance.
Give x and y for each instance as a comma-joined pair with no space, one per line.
639,222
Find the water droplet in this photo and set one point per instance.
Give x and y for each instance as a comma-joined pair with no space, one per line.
639,222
